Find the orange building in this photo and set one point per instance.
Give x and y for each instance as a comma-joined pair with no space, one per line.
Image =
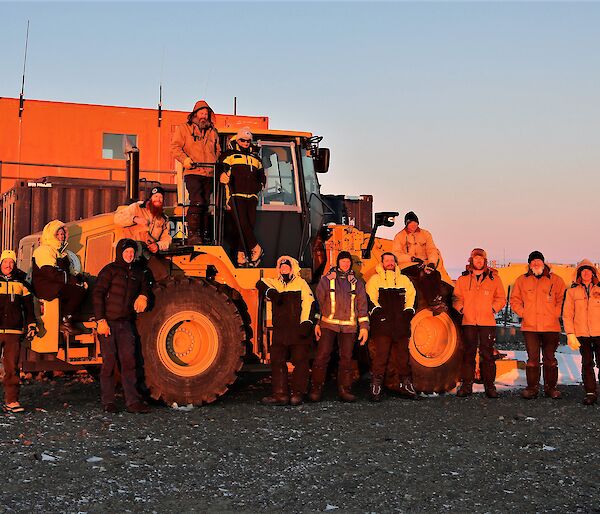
64,139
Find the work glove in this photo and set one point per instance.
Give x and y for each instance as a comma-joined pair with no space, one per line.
188,163
416,260
430,268
32,330
306,329
140,304
103,329
363,336
408,315
224,178
573,342
273,295
377,314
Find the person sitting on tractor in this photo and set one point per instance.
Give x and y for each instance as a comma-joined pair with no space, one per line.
344,310
52,276
124,282
195,144
292,301
145,221
16,318
392,297
245,178
419,259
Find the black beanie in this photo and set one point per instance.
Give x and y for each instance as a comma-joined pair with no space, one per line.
343,255
157,189
410,216
535,255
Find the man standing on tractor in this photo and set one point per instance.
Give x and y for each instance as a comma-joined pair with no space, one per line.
537,298
121,291
292,301
145,221
392,296
195,144
478,295
245,178
581,316
419,259
16,318
344,309
52,276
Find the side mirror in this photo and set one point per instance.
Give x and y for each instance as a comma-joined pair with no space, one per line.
321,160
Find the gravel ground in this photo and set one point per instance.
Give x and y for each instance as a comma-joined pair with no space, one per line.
437,454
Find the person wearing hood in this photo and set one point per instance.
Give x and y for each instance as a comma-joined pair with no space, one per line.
52,276
478,296
418,258
195,144
292,304
146,221
343,304
581,317
244,176
537,298
121,291
16,319
392,300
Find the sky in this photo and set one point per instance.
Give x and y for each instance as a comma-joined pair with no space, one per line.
482,117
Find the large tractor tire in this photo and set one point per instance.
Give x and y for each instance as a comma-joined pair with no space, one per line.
192,342
435,352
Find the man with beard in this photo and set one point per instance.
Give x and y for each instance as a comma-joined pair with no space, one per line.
537,298
581,316
478,295
418,257
292,301
344,309
145,221
392,296
245,178
195,144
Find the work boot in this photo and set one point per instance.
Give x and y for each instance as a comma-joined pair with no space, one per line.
317,381
550,381
110,408
590,399
345,394
276,399
488,376
465,389
296,399
344,381
407,390
138,408
67,325
375,391
533,383
490,391
241,259
256,255
279,384
193,224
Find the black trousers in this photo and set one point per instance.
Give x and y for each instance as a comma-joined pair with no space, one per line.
590,349
244,212
71,297
391,355
547,342
298,356
199,188
429,284
484,338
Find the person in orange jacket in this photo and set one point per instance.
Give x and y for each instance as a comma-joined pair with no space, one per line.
581,316
195,144
537,298
478,295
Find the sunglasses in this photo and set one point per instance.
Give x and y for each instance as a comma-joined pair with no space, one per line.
245,140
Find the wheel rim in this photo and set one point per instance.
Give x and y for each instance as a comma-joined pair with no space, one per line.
434,339
187,343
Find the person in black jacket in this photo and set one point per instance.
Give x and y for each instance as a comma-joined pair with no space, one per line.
243,174
292,302
16,318
122,290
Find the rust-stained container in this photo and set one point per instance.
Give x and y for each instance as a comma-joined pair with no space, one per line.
356,211
29,205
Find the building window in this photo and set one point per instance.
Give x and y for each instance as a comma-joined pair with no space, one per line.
114,144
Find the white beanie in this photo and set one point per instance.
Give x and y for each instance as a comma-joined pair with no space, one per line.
244,133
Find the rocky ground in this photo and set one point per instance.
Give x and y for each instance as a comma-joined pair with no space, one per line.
437,454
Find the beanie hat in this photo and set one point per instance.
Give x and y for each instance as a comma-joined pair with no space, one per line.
478,251
410,216
285,261
157,189
8,254
535,255
244,133
343,255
